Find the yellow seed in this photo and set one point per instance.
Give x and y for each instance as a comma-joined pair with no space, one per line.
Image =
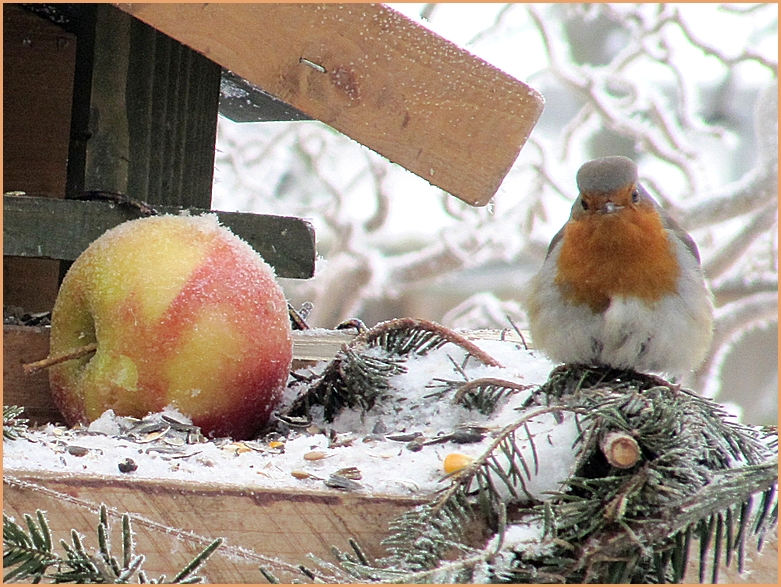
237,448
314,455
455,462
152,436
300,474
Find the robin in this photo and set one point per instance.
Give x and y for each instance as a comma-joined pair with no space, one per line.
621,284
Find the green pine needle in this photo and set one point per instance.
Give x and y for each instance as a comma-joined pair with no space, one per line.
28,555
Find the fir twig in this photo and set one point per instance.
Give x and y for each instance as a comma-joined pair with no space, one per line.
421,538
695,474
485,393
28,555
404,336
359,375
14,427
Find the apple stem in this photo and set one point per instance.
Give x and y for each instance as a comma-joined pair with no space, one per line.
51,360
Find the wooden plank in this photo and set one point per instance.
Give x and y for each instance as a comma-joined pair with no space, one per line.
38,71
172,109
374,75
144,112
240,101
173,521
29,283
25,344
38,62
62,229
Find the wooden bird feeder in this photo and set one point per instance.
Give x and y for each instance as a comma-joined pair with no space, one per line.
124,99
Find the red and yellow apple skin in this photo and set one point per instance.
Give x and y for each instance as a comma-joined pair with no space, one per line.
184,314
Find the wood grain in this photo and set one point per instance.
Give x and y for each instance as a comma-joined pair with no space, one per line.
145,111
25,344
173,521
374,75
62,229
38,73
38,63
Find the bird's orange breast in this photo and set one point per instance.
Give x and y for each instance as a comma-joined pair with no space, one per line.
626,253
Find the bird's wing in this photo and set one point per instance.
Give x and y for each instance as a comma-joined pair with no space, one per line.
675,228
555,240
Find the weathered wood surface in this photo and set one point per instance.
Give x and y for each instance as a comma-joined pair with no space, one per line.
145,111
38,73
38,62
25,344
173,521
374,75
62,229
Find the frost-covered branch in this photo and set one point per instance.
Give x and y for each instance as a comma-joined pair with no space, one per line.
732,321
758,186
734,250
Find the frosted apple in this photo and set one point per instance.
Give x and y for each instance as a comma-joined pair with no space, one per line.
184,313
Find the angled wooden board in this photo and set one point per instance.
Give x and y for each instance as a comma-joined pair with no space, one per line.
375,76
62,229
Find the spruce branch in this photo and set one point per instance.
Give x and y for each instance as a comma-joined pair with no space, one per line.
482,394
14,427
695,479
404,336
423,538
698,471
28,555
352,380
359,374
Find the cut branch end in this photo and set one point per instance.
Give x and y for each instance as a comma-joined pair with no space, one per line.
621,450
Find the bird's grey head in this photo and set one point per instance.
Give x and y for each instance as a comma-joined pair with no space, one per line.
606,175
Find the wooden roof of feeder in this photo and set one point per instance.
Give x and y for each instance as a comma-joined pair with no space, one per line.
372,74
147,81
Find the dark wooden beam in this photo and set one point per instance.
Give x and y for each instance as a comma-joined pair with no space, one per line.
38,76
241,101
145,109
62,229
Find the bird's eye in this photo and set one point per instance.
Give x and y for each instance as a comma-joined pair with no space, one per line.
584,203
635,196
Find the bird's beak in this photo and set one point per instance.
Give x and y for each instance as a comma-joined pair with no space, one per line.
611,207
